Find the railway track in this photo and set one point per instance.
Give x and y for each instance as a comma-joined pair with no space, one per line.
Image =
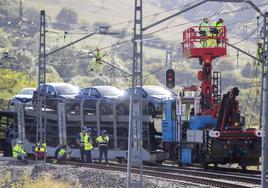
214,179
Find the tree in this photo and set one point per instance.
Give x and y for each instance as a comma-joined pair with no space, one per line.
67,16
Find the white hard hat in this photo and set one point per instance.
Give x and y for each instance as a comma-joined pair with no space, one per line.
20,142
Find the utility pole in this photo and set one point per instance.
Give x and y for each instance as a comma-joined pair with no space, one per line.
135,133
169,58
265,100
41,123
21,9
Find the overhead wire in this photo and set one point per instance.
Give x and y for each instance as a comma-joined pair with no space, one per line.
255,103
249,94
249,35
165,28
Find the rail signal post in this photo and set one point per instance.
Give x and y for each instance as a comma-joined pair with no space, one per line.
170,78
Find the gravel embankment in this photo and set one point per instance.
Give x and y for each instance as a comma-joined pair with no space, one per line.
86,177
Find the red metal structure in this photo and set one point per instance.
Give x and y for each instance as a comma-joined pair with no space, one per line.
193,47
226,110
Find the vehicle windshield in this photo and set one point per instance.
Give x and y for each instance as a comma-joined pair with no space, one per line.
67,90
109,91
26,91
155,90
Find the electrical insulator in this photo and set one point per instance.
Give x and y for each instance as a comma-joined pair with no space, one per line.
170,78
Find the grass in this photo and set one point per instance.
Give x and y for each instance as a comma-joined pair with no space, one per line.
6,177
45,181
42,181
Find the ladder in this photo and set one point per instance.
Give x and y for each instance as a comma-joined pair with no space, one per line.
216,86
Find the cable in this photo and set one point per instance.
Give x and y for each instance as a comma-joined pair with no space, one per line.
158,13
249,94
255,103
154,71
248,35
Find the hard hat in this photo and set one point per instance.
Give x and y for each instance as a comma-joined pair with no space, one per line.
89,130
205,20
103,132
20,142
84,129
259,42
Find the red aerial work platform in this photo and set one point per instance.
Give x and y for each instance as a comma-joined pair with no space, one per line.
192,47
205,48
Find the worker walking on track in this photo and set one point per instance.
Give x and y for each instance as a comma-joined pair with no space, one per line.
103,141
88,145
97,64
80,139
259,56
215,31
19,152
204,31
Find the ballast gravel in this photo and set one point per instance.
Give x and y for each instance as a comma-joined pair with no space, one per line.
81,176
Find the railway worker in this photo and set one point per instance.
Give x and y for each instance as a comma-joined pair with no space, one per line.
80,141
19,152
60,154
204,31
88,145
40,150
97,64
215,31
103,141
259,55
10,135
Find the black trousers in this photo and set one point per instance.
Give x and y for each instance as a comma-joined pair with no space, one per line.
88,156
82,152
103,150
7,149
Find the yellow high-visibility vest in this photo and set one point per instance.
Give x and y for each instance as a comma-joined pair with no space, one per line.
62,152
87,144
204,27
40,149
102,140
18,149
